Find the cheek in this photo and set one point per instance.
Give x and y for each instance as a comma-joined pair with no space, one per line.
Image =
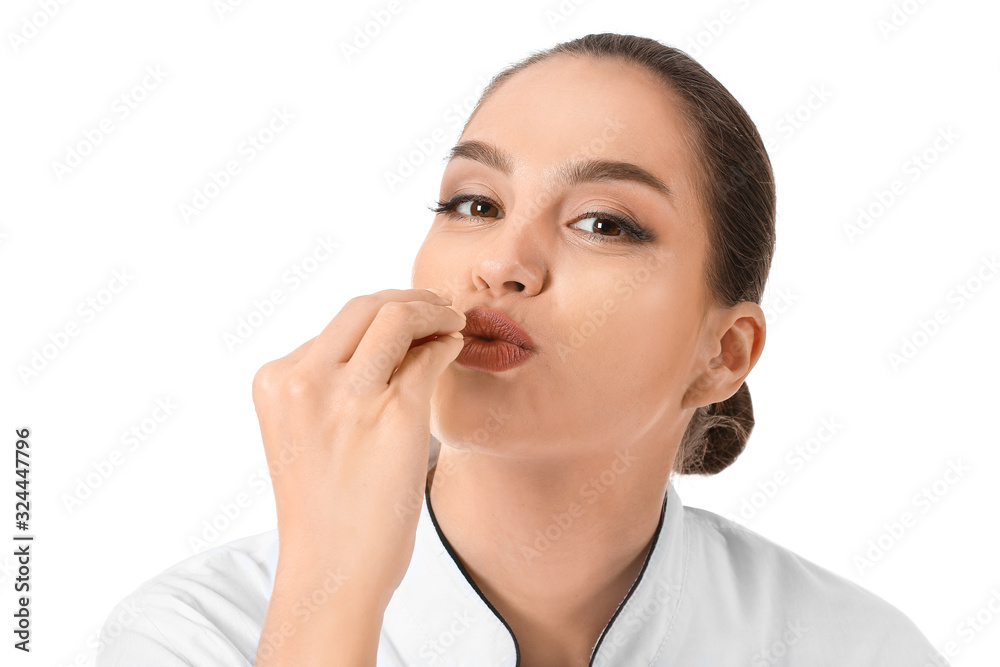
631,334
429,263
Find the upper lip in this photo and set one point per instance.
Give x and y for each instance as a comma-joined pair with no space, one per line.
493,324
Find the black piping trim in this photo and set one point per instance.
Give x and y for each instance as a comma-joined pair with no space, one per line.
635,584
454,557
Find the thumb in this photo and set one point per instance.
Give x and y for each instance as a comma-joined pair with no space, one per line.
424,364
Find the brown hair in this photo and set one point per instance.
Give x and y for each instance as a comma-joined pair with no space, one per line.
738,195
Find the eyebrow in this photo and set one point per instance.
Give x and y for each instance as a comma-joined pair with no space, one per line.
573,173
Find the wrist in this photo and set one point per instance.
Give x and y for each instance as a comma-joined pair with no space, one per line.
319,619
316,583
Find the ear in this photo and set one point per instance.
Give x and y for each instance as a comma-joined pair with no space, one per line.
732,345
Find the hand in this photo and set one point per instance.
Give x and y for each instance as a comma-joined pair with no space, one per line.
345,421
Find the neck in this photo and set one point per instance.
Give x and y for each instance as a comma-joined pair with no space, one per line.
554,545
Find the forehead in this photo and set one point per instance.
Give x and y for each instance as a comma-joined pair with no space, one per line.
575,107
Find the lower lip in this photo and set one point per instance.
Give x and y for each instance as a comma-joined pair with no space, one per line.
491,356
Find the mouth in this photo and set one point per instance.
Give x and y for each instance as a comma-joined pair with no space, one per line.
489,324
493,341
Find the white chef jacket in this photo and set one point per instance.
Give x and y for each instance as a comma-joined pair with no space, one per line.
710,594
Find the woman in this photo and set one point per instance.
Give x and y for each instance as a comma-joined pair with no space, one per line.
583,317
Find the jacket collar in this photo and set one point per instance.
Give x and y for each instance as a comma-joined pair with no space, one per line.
438,615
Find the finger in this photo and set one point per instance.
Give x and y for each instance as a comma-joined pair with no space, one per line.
419,370
340,338
389,338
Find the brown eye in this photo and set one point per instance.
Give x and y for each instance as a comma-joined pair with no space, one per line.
600,226
479,208
613,228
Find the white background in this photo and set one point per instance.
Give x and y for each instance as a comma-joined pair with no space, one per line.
837,308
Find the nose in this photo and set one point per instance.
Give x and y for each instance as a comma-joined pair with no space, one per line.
512,260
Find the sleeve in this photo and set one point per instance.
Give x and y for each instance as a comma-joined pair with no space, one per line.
904,645
161,628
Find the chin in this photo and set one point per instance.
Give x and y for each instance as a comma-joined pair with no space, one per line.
470,424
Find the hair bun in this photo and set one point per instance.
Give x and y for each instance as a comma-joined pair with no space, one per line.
717,435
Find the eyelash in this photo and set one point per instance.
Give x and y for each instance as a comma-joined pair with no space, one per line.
632,232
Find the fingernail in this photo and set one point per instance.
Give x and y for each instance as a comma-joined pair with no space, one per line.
456,334
455,308
438,292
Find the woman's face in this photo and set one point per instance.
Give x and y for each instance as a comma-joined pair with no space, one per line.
618,324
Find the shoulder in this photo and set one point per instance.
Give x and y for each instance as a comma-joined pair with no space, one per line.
236,568
791,598
209,607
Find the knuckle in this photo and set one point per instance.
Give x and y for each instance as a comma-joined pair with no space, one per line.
263,380
296,386
361,301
